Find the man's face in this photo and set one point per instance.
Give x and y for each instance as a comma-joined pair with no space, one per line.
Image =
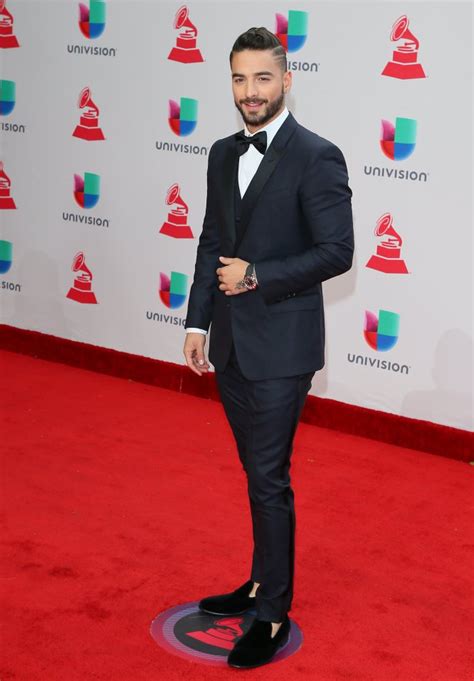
259,86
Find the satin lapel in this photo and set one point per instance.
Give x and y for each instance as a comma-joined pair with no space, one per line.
229,174
265,170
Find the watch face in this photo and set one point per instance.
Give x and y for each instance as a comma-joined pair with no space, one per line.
250,283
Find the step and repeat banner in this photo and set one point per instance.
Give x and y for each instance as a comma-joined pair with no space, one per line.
108,110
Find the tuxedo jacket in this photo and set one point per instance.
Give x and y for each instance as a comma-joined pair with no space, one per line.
295,223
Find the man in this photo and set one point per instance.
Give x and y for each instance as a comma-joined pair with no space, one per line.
278,222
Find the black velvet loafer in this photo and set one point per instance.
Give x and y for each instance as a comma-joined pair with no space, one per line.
257,646
233,603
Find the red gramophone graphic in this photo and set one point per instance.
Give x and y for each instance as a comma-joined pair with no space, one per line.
88,128
387,258
7,38
6,200
177,223
404,61
222,634
81,291
185,50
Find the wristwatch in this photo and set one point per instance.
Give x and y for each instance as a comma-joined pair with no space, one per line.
250,279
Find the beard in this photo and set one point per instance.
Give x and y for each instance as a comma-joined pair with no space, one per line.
263,117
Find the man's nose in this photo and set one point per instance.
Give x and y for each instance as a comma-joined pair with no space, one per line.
251,89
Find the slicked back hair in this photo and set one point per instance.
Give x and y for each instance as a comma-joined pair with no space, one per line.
260,39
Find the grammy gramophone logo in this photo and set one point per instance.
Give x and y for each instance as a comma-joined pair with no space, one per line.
7,36
177,223
81,290
88,128
404,63
6,201
388,254
185,50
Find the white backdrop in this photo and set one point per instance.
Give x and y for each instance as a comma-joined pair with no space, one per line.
338,91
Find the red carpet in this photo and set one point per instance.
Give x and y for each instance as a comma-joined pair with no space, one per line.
123,500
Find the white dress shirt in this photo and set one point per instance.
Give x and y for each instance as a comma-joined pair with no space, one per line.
248,165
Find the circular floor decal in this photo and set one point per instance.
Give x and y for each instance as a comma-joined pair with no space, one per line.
190,633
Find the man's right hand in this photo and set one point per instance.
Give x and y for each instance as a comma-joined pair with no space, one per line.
194,353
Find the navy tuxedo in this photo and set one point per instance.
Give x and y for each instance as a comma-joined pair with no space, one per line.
296,226
295,223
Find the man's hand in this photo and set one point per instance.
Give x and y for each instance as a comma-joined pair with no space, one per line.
194,353
232,272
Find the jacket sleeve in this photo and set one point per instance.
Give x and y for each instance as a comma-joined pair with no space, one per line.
325,199
205,283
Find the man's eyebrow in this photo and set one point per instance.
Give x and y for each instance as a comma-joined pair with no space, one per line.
259,73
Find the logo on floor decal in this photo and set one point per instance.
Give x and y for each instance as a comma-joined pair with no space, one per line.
194,635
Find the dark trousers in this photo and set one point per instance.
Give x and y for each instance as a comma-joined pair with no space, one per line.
263,416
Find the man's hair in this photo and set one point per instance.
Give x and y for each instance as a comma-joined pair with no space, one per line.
260,39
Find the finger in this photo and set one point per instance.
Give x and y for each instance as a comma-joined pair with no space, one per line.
199,357
190,363
226,261
193,354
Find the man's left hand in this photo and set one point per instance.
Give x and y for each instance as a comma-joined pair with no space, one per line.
229,275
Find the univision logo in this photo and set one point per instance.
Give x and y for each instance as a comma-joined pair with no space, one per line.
292,31
92,18
173,289
86,195
6,255
87,190
92,26
7,97
172,292
182,121
6,258
183,116
7,104
381,334
398,141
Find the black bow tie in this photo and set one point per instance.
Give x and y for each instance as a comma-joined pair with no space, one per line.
259,140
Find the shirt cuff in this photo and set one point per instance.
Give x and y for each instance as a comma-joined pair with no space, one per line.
191,329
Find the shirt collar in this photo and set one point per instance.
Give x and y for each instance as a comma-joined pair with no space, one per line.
271,128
